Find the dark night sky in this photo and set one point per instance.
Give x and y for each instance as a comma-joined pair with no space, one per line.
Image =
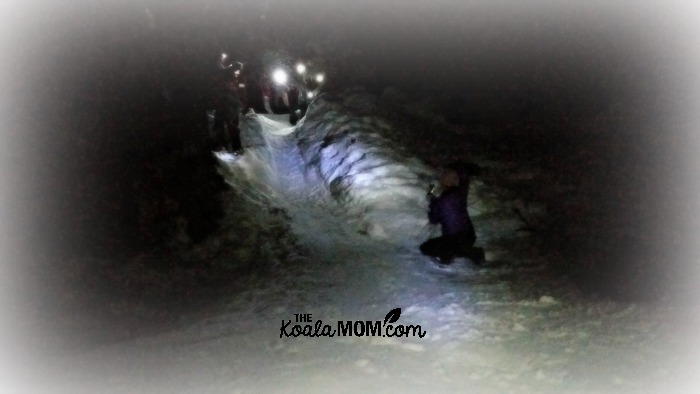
584,56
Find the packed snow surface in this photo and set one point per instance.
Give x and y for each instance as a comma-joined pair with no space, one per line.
353,195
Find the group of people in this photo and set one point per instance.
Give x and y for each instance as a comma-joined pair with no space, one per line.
449,210
289,92
275,86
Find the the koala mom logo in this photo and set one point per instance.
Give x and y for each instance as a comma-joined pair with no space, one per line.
305,327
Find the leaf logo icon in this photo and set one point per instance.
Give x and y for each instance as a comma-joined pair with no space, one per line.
392,316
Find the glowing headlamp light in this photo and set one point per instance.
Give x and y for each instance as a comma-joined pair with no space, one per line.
319,78
310,94
279,76
301,68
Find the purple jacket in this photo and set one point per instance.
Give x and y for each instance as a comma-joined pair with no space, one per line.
450,210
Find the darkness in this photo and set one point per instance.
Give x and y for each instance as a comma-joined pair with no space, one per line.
111,101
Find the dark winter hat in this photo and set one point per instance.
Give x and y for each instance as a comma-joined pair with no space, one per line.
449,178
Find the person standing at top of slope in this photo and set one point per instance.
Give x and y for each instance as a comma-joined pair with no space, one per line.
265,85
450,211
228,110
241,86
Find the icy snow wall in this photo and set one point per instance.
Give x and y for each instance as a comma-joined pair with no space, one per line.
346,145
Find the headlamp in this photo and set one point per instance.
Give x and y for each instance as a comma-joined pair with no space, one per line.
279,76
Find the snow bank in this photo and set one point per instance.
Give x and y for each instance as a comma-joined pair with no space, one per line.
341,141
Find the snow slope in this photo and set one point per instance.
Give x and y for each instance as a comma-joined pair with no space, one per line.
352,194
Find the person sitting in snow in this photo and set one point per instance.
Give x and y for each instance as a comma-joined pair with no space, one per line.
450,211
